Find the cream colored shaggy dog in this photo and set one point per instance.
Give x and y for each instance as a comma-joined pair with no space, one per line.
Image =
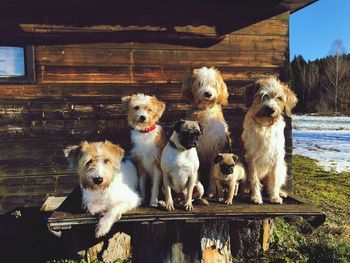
207,92
263,138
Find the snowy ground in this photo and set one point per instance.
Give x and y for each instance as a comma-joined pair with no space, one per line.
326,139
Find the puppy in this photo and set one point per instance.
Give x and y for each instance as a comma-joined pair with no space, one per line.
180,163
108,184
228,170
207,92
263,137
148,139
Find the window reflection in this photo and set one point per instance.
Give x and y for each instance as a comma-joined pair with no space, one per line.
12,61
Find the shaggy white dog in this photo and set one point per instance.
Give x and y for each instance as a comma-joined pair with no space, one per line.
207,92
108,184
148,139
263,138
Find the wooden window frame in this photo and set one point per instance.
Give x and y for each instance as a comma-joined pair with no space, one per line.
29,63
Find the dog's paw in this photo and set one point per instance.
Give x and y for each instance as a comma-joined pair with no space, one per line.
211,195
101,230
154,203
169,206
228,201
276,200
283,194
202,201
188,206
162,203
256,200
93,209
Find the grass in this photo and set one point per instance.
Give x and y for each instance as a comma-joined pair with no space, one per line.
294,240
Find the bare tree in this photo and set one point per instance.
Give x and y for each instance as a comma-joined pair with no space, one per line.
335,71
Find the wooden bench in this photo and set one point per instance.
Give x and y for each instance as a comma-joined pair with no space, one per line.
217,231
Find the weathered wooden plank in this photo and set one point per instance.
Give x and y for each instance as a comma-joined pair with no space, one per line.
235,41
27,185
239,210
52,56
52,203
156,75
8,203
83,127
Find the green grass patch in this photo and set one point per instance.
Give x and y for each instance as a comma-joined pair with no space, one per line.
294,240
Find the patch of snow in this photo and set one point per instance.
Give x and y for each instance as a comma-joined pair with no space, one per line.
325,139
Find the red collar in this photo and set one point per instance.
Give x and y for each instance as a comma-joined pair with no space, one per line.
149,129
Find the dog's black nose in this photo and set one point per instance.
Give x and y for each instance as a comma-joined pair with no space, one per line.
269,111
142,118
98,180
207,94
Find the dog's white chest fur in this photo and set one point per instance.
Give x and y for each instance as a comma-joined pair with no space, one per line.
122,189
264,145
145,148
179,166
213,139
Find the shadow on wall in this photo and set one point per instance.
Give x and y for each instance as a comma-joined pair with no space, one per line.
40,22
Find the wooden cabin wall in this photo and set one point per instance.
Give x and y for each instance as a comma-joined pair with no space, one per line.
77,94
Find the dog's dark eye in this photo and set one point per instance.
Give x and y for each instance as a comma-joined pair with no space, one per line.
136,108
88,163
279,98
106,161
265,97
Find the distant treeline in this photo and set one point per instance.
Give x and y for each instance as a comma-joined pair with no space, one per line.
322,85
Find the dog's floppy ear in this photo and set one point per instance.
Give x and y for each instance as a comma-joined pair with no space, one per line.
291,100
235,157
218,158
160,105
187,86
222,89
116,149
249,93
177,125
126,101
73,154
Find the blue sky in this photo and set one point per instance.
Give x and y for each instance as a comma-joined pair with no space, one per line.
314,28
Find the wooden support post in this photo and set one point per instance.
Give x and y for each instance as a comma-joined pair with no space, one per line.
266,233
215,241
166,242
245,237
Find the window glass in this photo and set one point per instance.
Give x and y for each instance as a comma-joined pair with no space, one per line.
12,61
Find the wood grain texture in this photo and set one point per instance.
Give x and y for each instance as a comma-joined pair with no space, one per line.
240,209
85,63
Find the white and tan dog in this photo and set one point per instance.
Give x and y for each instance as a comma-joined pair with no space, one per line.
207,92
148,139
263,138
229,171
108,184
180,163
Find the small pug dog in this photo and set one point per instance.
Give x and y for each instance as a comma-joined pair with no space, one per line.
228,170
180,163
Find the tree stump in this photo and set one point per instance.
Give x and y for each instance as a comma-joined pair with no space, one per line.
215,241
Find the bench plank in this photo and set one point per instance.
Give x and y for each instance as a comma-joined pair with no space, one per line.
65,218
